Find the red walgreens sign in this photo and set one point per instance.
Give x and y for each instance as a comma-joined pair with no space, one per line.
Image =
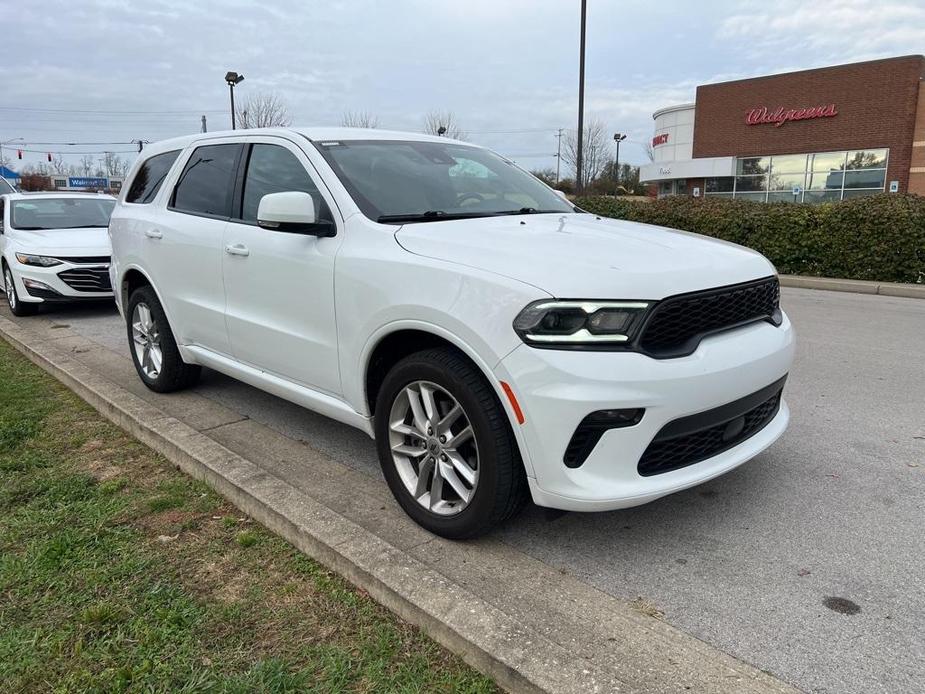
779,116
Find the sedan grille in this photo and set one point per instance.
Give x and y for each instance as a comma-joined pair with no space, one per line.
85,259
87,279
695,438
678,323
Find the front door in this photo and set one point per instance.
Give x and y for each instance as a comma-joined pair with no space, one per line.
279,286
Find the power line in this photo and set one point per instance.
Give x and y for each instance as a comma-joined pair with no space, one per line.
79,144
75,110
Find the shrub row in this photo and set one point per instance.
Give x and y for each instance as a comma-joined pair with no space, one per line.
880,238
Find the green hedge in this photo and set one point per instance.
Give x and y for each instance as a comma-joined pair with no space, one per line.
881,237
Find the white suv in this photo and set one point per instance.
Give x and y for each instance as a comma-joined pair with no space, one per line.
491,336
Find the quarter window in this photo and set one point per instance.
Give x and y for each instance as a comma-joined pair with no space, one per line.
207,182
274,169
149,178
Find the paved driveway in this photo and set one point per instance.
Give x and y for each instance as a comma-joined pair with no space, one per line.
808,562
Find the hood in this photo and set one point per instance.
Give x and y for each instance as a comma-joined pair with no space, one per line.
65,242
579,256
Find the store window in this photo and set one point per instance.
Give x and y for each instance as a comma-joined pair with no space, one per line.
812,178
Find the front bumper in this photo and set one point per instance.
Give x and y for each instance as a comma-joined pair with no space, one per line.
61,283
557,389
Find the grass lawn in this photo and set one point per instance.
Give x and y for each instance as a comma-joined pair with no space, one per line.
119,573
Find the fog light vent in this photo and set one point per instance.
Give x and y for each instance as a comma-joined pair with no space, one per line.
592,428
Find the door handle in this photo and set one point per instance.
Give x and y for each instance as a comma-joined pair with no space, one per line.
154,233
237,249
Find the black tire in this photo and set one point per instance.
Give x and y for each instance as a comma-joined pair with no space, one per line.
502,486
174,374
17,306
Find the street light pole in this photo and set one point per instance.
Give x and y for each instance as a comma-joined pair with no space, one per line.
618,138
579,184
232,79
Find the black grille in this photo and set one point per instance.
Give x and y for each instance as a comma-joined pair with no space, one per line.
678,323
692,439
87,279
85,259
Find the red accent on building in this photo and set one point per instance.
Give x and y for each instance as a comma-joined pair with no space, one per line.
659,139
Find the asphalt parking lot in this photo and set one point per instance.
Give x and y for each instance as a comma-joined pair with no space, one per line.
808,562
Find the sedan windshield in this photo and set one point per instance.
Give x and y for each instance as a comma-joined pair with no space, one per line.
42,214
395,181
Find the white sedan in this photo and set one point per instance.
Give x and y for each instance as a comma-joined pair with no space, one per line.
55,248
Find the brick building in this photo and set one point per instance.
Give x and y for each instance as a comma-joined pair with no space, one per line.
809,136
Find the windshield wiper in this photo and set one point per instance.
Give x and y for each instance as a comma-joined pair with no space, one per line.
532,210
429,216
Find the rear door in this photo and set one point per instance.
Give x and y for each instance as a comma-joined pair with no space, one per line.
280,286
188,239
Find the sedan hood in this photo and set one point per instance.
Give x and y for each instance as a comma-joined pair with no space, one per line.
64,242
580,256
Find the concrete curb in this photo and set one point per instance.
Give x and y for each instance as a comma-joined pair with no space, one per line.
911,291
503,643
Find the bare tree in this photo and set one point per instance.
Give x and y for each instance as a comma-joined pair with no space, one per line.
114,164
596,152
86,164
650,150
435,120
263,110
359,119
58,165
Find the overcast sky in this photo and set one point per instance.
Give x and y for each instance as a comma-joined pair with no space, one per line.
499,65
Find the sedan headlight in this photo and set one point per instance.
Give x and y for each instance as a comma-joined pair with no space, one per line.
580,323
40,260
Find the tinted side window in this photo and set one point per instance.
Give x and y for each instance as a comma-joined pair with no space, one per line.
274,169
149,178
207,182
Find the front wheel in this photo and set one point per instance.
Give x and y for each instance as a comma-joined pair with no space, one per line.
17,307
445,445
154,350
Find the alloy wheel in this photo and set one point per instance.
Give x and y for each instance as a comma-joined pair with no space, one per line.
434,448
10,289
146,341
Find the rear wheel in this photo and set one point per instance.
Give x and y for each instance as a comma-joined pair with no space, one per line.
17,307
445,445
154,350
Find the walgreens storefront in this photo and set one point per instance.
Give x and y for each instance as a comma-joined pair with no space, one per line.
810,136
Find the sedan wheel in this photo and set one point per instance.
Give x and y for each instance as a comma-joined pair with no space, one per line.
10,289
433,448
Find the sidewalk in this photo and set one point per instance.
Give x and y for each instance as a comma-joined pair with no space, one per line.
526,624
911,291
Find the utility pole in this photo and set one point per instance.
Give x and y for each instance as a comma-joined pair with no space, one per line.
558,154
204,129
579,183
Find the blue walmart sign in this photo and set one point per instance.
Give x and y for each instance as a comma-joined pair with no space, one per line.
87,182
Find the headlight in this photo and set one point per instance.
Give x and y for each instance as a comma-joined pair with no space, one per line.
580,323
41,260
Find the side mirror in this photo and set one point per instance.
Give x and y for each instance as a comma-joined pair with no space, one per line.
292,212
561,194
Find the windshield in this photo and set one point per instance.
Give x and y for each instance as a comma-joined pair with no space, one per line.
406,181
61,213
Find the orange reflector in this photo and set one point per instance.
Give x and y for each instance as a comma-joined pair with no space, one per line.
514,404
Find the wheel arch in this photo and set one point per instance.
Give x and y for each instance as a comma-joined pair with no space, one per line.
396,341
